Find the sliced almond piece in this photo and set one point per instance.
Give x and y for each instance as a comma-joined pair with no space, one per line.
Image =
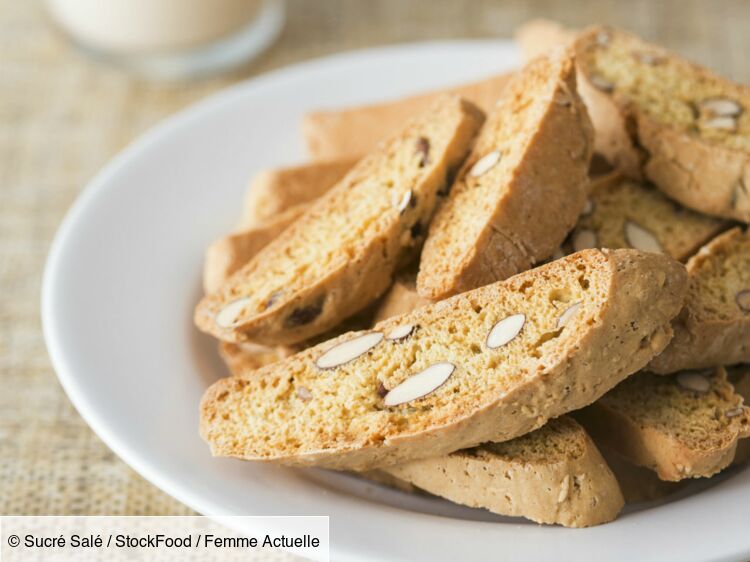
228,316
721,123
723,107
743,300
601,83
584,239
564,489
734,412
641,239
505,331
694,381
485,164
348,350
402,203
400,332
420,384
568,314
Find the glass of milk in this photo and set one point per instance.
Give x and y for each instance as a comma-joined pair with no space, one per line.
171,38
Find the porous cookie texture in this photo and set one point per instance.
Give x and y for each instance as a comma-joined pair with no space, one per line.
530,161
624,213
682,426
275,191
693,126
426,383
341,254
229,253
714,327
552,475
343,133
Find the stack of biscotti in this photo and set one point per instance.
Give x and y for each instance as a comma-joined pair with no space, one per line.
395,320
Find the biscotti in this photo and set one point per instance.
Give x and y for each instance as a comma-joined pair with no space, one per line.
346,133
682,426
273,192
553,475
490,364
624,213
693,125
714,327
530,160
341,254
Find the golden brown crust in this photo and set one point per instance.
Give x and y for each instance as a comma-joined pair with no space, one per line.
489,228
695,156
705,336
662,424
627,326
341,254
573,488
344,133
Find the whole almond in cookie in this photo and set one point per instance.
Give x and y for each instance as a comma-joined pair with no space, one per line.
420,384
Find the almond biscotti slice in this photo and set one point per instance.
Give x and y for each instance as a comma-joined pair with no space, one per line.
693,125
714,327
682,426
553,475
343,133
275,199
273,192
490,364
530,161
341,254
624,213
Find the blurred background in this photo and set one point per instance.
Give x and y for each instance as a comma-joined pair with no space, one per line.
64,113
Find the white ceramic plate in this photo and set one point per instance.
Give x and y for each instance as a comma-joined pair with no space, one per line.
123,277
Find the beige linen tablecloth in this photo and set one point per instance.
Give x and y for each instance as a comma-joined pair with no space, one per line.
62,117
